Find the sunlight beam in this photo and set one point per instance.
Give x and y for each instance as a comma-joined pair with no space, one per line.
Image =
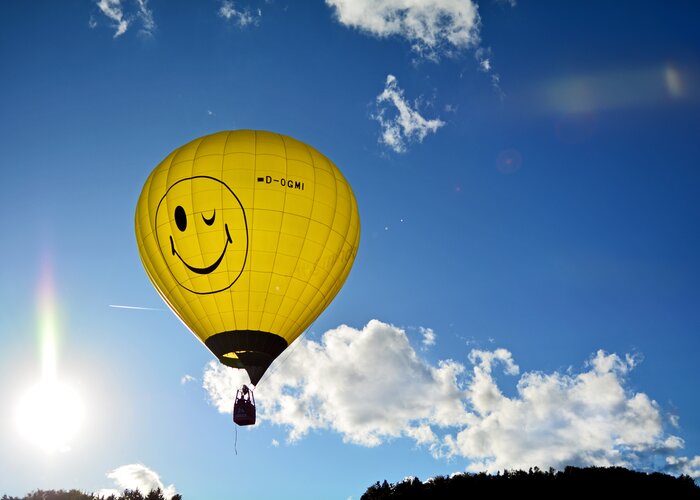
51,412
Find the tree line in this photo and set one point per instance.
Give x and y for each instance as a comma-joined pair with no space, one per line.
572,482
156,494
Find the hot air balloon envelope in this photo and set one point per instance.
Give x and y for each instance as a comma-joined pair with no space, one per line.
247,236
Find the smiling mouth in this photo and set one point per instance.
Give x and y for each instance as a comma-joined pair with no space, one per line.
209,269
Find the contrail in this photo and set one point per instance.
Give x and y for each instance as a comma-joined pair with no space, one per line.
138,308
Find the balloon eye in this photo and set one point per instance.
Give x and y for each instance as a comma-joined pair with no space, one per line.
209,221
180,218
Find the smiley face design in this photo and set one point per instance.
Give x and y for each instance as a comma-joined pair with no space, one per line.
202,234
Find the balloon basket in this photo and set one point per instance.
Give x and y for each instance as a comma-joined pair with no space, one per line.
244,407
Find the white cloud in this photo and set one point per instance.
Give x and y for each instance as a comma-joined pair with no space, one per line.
483,58
674,443
371,386
674,420
684,465
431,26
187,378
451,108
485,64
428,336
113,10
121,21
243,17
136,477
221,384
403,123
558,419
146,16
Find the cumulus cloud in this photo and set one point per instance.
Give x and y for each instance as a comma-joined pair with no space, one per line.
400,122
221,384
136,477
114,10
558,419
370,386
187,379
431,27
684,465
241,17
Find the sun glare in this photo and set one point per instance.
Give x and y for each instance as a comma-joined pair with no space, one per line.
50,415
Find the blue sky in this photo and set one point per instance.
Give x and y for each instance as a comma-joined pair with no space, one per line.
526,289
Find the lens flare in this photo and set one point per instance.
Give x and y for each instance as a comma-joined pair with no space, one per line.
51,412
509,161
47,324
674,82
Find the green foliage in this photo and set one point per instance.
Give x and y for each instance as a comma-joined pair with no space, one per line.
572,482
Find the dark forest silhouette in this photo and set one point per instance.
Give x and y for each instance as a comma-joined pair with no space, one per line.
156,494
572,482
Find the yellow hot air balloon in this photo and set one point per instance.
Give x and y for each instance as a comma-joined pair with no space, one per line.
247,235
